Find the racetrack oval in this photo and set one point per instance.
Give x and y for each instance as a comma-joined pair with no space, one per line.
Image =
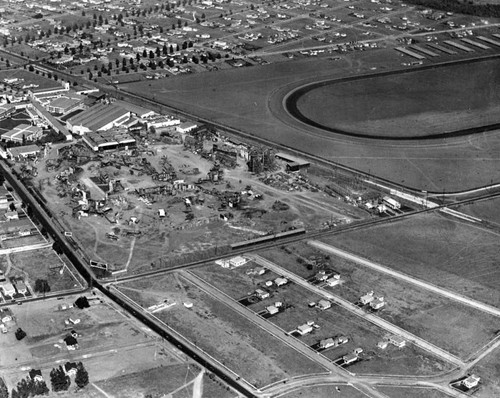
437,102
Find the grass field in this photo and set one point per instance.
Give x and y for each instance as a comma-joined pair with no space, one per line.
485,210
465,164
326,392
443,322
229,337
403,392
416,104
448,253
45,264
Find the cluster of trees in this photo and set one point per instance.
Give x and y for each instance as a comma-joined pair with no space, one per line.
60,381
461,7
27,388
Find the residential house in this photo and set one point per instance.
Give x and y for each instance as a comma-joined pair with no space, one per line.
261,294
350,358
70,368
377,303
280,281
324,304
326,343
35,375
471,381
304,329
71,343
398,341
367,298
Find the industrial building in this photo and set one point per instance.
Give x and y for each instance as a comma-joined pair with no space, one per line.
109,140
100,117
64,104
23,132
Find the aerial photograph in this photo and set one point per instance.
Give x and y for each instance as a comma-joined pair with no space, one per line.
250,198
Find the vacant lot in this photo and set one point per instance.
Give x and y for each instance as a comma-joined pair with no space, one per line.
326,392
403,392
457,256
229,337
46,264
486,210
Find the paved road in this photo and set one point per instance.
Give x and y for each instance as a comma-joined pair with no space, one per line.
410,279
359,312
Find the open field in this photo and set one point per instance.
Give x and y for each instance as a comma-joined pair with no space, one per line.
465,164
111,346
448,253
333,322
456,328
404,392
421,103
46,264
489,371
326,391
243,347
486,210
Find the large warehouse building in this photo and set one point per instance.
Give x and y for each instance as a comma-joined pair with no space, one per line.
100,117
116,138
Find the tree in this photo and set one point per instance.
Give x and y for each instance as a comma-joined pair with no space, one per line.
40,388
82,302
20,334
59,380
4,392
82,376
42,286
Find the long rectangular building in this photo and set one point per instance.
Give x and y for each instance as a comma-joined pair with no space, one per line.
476,44
441,48
109,140
99,117
410,53
459,46
488,40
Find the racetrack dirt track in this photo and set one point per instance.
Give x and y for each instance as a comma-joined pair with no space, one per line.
251,100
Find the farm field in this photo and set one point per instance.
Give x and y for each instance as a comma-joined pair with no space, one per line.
233,340
46,264
451,254
465,164
333,322
454,327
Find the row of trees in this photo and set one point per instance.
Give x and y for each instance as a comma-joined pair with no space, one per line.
59,380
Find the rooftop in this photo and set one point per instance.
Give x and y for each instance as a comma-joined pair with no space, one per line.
98,116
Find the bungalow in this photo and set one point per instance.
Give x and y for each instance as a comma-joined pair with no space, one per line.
8,288
21,287
324,304
280,281
398,341
304,329
5,315
261,294
367,298
382,344
377,303
341,340
333,281
70,368
471,381
260,271
350,358
326,343
272,310
237,261
35,375
321,276
71,343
